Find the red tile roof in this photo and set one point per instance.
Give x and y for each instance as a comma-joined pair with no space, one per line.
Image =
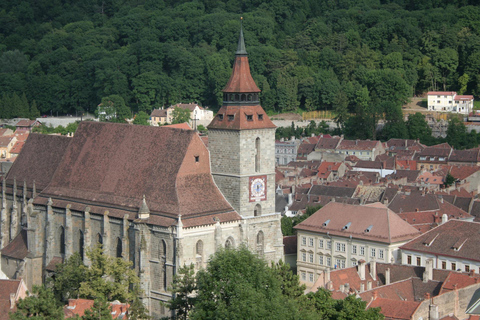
17,147
357,144
241,80
17,248
395,309
114,165
184,126
441,93
259,119
38,160
79,306
456,280
26,123
383,224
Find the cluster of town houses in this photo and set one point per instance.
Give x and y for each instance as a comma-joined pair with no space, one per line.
391,229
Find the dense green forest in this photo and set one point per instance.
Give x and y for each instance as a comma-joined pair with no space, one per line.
362,57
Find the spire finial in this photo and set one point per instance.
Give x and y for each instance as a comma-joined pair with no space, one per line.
241,43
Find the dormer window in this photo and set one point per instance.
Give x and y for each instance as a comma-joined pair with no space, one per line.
231,117
260,117
249,117
220,117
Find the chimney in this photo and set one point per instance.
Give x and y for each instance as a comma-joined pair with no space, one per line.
369,285
347,288
290,199
327,275
373,269
428,273
12,300
374,295
387,276
440,197
433,312
361,269
385,201
342,288
427,296
444,218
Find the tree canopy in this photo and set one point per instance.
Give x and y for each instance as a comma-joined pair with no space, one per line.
346,56
237,284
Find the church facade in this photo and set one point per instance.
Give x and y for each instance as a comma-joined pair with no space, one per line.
153,196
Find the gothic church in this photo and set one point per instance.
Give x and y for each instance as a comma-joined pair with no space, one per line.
154,196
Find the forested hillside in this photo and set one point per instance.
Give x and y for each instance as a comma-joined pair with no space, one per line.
365,57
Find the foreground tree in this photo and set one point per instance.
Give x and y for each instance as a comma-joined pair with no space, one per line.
238,285
68,277
183,289
39,305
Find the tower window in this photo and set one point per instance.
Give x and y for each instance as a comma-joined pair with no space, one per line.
260,117
249,117
197,158
257,211
257,155
220,117
231,117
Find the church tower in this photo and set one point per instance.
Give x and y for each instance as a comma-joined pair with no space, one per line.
241,140
242,143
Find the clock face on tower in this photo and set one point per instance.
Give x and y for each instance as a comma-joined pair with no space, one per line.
258,188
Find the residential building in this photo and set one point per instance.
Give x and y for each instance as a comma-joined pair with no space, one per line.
328,240
286,150
363,149
158,117
452,245
6,145
26,125
431,158
197,113
10,293
449,101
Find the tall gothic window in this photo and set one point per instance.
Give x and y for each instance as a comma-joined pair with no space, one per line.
230,244
61,232
260,243
199,254
80,243
257,155
119,248
99,239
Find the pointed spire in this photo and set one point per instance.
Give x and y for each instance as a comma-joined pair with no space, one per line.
241,43
143,211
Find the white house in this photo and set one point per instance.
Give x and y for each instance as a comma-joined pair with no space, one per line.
452,246
340,235
449,101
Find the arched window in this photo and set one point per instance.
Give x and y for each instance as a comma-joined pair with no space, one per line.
260,245
257,155
230,243
249,97
199,254
237,97
119,248
99,239
243,97
163,247
80,243
61,232
258,210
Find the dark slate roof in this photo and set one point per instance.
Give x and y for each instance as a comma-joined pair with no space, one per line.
465,156
415,201
332,191
476,210
455,238
17,248
411,175
290,245
114,165
38,160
